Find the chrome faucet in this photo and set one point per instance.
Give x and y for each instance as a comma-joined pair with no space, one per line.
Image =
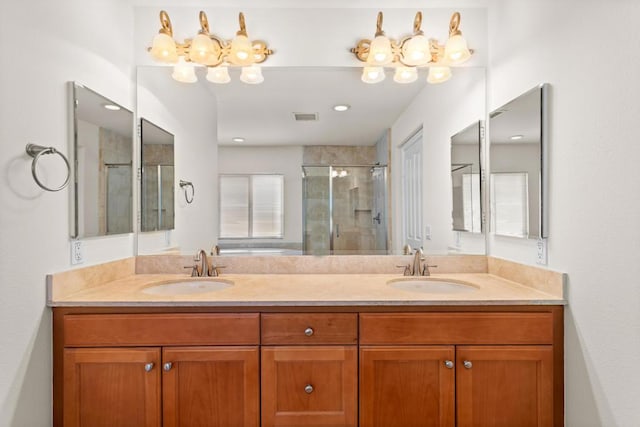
201,257
417,268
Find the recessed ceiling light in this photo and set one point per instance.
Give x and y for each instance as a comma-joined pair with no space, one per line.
111,107
341,107
237,139
516,137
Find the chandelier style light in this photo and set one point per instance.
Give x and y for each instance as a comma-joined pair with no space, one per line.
412,52
208,50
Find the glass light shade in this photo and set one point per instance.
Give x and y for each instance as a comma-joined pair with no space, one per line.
203,50
163,48
438,74
405,75
456,50
241,51
251,75
184,72
373,74
380,51
218,75
416,50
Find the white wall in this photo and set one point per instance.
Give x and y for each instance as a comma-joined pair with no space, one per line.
276,160
46,44
588,52
189,113
442,110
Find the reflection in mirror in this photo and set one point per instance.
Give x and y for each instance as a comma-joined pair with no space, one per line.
103,154
157,196
518,168
465,179
294,131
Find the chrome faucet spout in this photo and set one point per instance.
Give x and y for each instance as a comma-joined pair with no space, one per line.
416,269
204,264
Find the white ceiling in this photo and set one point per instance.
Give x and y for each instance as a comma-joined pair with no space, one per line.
263,114
518,117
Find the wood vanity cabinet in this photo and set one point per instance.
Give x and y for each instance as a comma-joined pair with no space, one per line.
310,369
110,380
354,366
463,369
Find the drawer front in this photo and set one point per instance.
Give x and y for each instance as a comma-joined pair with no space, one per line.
311,328
309,386
457,328
102,330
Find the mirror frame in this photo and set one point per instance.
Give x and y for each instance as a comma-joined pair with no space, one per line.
74,209
543,195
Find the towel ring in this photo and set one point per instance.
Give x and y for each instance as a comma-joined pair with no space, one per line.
36,151
183,185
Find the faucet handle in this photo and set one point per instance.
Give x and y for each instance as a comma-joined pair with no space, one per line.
194,270
214,270
407,269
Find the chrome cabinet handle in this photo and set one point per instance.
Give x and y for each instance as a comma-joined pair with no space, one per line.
308,332
448,364
467,364
167,366
308,389
148,367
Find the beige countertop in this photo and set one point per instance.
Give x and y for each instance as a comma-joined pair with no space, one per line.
249,290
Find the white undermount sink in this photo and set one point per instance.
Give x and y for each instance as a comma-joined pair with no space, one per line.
187,287
431,286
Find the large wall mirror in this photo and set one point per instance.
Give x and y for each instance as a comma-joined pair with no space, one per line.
339,183
102,195
466,188
158,178
518,164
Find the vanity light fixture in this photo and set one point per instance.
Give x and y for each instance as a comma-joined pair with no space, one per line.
410,53
341,107
210,51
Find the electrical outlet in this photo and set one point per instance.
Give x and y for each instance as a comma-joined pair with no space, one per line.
77,252
427,232
542,252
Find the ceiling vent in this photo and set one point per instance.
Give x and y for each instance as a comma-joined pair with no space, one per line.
305,117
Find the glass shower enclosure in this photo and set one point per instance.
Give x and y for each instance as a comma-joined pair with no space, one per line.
344,210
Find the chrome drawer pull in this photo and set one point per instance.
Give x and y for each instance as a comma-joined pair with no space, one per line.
448,364
308,332
148,367
167,366
308,389
467,364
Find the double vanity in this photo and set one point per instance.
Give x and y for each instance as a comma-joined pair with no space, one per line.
308,341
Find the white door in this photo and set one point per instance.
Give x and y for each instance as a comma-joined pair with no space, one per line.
412,191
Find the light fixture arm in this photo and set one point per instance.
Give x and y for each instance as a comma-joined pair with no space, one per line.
204,23
379,31
165,23
454,25
243,26
417,23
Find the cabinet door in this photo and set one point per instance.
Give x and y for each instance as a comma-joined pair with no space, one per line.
505,386
309,386
210,386
407,386
108,387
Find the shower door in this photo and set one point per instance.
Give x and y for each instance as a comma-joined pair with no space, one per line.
345,210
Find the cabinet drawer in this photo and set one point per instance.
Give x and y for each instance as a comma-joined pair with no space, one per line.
100,330
456,328
311,328
309,386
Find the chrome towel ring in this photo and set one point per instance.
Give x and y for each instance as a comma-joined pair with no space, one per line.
36,151
184,185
